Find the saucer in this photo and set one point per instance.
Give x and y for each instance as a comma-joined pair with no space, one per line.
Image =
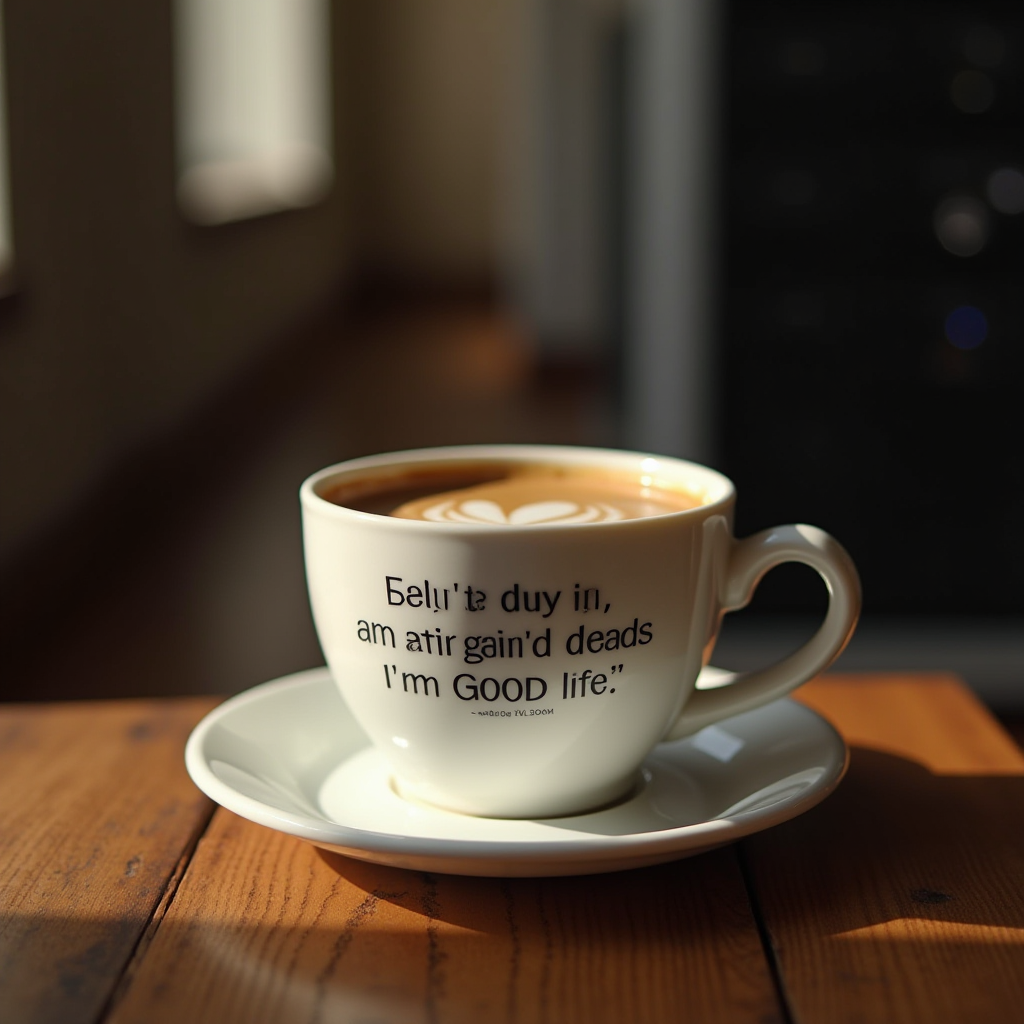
288,755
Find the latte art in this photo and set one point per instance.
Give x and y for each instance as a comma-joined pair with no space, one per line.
483,511
539,495
514,494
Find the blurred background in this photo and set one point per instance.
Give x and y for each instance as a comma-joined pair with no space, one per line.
243,239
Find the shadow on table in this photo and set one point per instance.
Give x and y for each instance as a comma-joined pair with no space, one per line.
331,939
627,945
896,842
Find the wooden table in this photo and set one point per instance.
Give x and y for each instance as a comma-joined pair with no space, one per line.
125,895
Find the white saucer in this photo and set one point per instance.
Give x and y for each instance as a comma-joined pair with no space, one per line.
289,755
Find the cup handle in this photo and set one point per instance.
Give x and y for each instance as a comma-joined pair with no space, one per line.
751,558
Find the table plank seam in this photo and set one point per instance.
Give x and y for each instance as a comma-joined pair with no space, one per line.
134,960
767,946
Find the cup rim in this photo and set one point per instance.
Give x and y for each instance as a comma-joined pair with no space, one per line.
717,488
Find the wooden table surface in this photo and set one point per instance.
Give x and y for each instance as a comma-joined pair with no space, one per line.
125,895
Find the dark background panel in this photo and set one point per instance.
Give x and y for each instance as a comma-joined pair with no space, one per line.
872,308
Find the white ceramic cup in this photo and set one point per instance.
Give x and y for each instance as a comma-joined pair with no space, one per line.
525,671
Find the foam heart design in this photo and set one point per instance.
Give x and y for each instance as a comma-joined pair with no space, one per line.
543,512
484,512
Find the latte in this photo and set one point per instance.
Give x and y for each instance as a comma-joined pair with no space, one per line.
513,494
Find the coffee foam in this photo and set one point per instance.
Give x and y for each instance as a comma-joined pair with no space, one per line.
495,493
545,495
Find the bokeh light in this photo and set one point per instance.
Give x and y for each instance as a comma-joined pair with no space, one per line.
1005,190
972,92
961,225
802,57
966,327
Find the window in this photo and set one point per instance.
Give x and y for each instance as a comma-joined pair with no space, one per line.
253,106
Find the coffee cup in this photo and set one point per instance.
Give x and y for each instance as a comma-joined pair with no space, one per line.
516,627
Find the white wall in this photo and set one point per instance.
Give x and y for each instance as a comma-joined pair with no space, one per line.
429,122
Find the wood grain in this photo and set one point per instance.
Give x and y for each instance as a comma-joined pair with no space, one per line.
897,899
901,897
267,928
96,811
